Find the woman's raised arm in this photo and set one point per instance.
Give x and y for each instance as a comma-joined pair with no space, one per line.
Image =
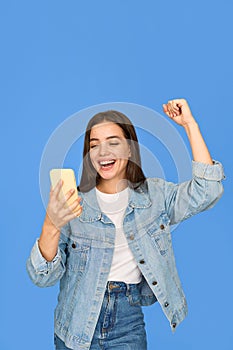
178,110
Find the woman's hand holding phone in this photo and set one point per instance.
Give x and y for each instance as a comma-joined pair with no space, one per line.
61,209
58,210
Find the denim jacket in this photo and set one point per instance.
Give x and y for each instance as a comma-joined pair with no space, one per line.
84,256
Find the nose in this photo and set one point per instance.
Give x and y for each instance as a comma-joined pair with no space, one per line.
103,149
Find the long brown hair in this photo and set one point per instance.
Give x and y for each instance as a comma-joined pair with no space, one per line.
134,174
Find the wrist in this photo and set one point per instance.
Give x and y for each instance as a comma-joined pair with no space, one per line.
49,226
191,126
47,250
49,238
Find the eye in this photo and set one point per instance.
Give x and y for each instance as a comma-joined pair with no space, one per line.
93,146
114,143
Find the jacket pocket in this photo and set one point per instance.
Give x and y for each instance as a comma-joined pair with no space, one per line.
77,255
159,233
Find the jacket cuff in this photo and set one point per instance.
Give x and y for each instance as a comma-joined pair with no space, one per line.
40,264
208,171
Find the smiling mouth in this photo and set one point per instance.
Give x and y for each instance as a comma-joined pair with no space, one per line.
107,164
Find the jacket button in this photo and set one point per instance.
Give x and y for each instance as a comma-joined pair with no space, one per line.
142,261
154,283
73,245
131,237
162,227
166,304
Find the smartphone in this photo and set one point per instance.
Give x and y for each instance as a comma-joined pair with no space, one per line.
69,182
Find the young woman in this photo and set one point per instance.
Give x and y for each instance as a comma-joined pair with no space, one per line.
111,250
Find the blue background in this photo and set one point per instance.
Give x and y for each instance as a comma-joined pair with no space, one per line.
58,57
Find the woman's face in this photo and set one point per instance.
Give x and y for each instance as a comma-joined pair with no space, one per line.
109,152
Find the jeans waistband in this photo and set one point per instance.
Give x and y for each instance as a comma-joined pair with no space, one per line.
116,287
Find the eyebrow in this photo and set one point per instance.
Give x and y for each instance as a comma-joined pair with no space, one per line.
108,138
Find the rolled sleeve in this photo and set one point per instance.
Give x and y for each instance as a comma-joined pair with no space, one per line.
45,273
191,197
213,171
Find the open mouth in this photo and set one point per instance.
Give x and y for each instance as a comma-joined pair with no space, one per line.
107,164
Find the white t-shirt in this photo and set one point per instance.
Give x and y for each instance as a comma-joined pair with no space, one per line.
124,267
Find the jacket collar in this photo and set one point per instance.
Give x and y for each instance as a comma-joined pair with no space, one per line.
138,198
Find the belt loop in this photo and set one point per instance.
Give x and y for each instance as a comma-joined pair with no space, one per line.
127,289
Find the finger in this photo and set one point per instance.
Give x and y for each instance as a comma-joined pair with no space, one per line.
56,190
73,215
175,110
168,114
165,109
68,209
180,102
170,110
69,194
175,106
65,197
78,212
75,205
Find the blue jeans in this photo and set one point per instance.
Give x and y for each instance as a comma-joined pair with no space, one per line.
121,321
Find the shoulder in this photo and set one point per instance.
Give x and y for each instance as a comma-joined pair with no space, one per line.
153,187
155,183
157,186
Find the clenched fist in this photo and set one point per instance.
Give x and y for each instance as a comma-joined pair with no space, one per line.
179,111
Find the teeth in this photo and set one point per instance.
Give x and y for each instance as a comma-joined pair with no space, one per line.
105,162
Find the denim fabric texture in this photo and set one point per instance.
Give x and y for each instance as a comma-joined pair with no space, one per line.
86,246
121,321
